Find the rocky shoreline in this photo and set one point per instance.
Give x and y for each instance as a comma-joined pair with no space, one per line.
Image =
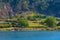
19,29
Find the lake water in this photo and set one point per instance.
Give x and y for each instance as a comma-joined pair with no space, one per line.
30,35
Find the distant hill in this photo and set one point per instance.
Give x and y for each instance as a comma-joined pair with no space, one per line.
9,8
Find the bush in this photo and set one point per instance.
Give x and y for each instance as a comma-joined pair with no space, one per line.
50,22
22,23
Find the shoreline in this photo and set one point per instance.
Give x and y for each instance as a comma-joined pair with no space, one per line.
19,29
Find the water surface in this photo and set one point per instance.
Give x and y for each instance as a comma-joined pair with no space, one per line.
30,35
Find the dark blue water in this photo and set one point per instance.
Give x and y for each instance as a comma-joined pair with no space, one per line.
29,35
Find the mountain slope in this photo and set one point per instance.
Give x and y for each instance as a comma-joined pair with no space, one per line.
47,7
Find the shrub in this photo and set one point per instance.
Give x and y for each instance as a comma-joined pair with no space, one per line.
51,21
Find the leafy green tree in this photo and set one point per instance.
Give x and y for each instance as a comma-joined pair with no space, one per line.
22,23
51,21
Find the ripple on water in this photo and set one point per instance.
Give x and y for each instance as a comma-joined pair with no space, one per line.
35,34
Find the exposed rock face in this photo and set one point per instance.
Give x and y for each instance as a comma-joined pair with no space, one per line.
48,7
6,11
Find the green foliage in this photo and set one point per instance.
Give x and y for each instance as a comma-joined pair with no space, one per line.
4,25
14,24
22,23
51,21
35,16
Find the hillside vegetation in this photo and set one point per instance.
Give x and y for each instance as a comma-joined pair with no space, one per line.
31,20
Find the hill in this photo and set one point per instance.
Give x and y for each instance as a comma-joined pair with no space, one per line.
47,7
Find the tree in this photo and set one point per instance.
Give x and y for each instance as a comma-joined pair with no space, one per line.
58,24
22,22
51,21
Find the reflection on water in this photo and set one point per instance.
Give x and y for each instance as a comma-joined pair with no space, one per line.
30,35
